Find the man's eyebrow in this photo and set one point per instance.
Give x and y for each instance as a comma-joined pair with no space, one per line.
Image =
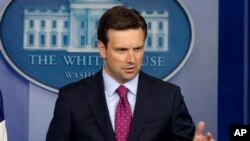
139,46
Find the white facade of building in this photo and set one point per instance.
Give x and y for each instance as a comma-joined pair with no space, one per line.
73,28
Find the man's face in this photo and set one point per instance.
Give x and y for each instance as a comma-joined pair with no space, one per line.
124,53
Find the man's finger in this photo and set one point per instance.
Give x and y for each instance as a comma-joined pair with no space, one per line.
209,136
200,128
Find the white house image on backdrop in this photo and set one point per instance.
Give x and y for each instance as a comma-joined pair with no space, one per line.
73,27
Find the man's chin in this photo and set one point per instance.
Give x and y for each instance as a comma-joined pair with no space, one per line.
130,76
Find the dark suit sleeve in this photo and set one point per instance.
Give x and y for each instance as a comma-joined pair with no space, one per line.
59,129
183,127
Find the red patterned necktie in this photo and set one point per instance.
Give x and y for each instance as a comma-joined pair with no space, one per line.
123,115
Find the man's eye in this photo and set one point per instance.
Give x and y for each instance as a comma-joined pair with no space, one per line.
138,49
121,50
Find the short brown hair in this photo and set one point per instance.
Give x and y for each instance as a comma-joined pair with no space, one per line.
120,18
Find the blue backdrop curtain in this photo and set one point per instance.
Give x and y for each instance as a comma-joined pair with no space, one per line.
248,58
233,100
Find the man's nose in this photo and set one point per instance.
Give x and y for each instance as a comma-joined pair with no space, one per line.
131,56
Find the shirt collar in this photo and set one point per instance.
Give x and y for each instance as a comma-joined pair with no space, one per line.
111,85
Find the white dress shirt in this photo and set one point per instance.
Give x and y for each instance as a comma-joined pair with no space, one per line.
112,98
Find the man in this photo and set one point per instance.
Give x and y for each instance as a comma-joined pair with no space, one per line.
120,102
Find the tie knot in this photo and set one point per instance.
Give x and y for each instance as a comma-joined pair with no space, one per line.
122,91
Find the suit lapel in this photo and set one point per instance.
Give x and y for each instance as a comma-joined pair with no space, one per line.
144,104
98,106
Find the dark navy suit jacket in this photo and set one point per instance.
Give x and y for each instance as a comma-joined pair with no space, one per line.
81,113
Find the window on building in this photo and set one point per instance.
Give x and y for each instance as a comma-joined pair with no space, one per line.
66,24
149,42
65,40
31,39
65,11
54,24
161,12
160,25
53,39
32,10
83,24
160,42
43,10
42,40
42,24
149,12
83,40
31,24
54,10
149,25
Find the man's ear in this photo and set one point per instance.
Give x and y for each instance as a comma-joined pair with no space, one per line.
102,49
